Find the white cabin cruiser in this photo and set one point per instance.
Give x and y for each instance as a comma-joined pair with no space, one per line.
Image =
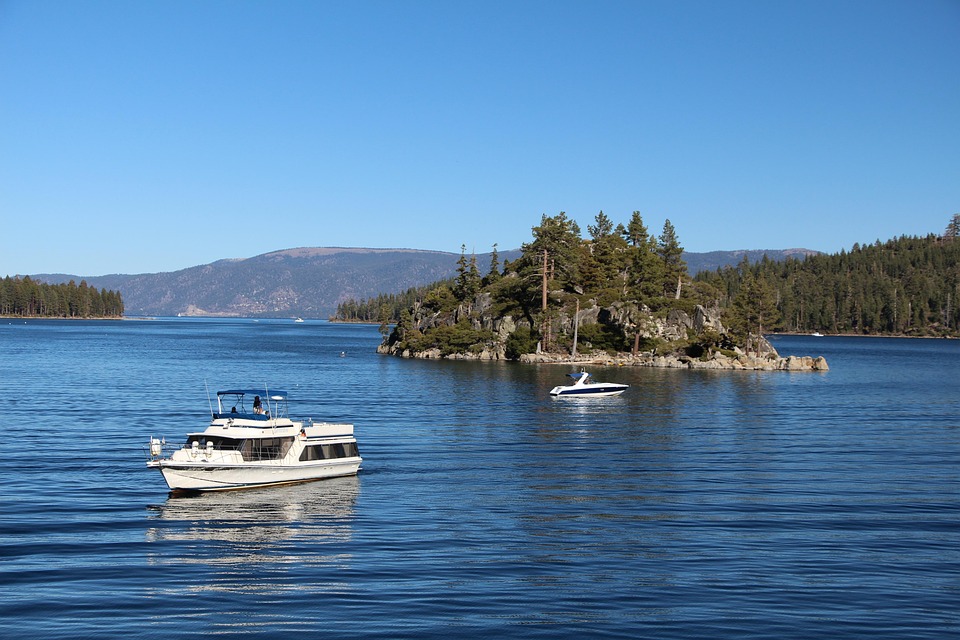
258,447
585,386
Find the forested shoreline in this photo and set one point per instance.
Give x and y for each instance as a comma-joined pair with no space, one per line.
386,305
28,298
908,286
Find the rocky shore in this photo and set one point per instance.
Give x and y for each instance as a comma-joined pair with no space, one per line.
739,362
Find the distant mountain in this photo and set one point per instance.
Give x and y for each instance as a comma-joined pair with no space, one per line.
310,282
305,282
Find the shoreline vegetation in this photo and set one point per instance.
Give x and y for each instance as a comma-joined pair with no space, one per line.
28,298
335,320
623,297
3,317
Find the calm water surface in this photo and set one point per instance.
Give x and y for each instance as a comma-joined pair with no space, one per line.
696,505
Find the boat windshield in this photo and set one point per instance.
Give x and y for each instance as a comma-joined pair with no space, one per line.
272,403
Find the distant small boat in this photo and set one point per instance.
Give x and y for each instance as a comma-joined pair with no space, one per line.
584,386
817,334
298,320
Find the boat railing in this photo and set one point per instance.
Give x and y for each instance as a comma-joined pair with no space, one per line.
158,448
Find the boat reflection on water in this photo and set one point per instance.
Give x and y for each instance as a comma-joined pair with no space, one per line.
231,537
272,514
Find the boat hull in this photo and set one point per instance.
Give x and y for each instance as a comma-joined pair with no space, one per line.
207,477
587,388
587,392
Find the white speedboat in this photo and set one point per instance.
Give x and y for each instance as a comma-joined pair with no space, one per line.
256,446
585,386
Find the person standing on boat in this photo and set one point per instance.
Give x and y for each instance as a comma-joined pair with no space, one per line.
257,407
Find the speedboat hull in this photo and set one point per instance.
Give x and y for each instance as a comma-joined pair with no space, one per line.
590,390
586,387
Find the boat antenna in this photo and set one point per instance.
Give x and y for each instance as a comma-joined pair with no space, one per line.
209,401
266,396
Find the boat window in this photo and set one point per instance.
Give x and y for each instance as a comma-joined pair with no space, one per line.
329,451
219,443
266,448
311,453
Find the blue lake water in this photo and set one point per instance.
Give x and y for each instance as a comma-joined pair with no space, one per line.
696,505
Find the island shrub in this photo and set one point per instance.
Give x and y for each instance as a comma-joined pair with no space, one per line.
413,339
521,341
607,337
653,345
503,294
458,338
662,306
440,299
607,297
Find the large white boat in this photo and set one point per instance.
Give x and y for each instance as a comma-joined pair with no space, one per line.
251,442
585,386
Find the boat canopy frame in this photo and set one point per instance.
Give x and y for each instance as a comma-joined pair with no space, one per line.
231,403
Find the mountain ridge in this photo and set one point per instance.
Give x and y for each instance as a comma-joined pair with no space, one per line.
311,281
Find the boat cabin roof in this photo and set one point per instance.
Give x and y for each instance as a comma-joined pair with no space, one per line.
274,394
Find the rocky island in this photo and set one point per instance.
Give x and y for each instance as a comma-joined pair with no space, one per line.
620,298
674,330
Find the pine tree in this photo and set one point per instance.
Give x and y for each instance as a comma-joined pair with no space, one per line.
494,273
953,228
671,253
602,228
467,283
559,236
754,308
637,234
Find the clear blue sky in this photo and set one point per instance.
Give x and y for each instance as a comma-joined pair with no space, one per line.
143,136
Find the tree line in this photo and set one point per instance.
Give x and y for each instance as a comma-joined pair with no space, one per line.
25,297
905,286
384,307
